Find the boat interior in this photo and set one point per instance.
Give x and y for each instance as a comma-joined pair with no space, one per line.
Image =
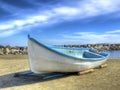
80,52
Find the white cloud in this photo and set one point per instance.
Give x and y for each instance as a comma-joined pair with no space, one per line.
6,33
5,26
114,31
66,11
83,9
93,37
98,7
13,27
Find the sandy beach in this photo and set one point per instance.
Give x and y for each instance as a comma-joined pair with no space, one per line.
102,79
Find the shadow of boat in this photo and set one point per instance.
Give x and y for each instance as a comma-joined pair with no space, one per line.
27,77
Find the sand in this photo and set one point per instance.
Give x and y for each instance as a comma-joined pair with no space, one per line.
102,79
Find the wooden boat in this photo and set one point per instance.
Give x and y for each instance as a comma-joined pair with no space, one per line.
44,59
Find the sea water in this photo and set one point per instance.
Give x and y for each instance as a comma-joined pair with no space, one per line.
115,54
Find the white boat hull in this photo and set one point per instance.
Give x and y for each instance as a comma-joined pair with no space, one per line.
43,60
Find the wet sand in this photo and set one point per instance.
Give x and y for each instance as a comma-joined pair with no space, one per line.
102,79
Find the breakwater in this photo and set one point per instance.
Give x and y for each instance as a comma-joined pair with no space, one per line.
98,47
23,50
4,50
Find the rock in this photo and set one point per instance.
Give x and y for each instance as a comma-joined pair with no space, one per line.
7,50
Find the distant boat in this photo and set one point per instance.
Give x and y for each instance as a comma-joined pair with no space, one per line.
44,59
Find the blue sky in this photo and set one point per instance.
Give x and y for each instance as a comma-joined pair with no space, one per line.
59,21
